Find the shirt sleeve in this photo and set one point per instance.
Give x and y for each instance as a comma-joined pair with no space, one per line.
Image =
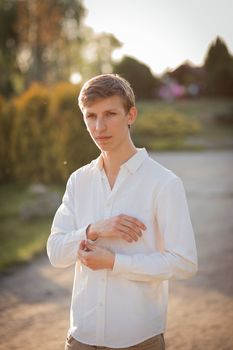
178,260
64,240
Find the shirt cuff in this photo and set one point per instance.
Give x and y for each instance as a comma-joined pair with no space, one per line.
81,234
73,236
122,263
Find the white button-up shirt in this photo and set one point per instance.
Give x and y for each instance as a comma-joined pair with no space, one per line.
127,305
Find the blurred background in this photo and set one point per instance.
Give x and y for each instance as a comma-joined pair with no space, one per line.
178,57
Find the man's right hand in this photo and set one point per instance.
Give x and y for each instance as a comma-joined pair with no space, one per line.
120,226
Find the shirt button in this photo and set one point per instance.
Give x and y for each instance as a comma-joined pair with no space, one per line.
100,304
103,279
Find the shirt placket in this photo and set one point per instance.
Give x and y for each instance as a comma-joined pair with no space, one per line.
102,283
100,321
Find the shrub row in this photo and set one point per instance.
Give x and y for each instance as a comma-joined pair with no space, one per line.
164,128
43,136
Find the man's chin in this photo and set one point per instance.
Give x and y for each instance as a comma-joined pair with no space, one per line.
103,147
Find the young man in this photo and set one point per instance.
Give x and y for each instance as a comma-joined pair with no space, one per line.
125,224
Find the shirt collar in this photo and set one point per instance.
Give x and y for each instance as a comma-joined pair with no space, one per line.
131,164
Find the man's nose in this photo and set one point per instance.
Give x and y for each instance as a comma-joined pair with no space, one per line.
100,124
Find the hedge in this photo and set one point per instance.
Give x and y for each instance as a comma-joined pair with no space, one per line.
43,137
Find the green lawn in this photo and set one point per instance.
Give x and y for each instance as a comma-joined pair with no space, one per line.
203,108
20,240
199,125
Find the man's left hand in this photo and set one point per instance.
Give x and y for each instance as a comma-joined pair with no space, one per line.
95,257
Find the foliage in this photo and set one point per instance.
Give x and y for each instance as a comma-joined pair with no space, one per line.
31,135
97,53
8,44
43,135
219,69
225,118
7,114
140,77
34,48
164,129
71,143
36,41
45,42
167,123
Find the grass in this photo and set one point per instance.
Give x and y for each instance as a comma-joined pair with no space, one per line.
202,109
211,133
20,240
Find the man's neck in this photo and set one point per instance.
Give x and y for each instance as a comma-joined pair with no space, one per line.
114,159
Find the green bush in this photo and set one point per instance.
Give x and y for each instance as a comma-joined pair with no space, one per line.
6,129
43,136
163,129
31,135
71,143
225,119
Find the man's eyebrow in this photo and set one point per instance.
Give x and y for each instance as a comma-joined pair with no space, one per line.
89,113
113,109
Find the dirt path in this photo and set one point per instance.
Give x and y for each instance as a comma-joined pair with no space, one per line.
34,299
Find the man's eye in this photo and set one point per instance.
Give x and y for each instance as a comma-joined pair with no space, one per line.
90,116
111,114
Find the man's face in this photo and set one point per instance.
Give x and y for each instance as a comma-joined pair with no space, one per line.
107,122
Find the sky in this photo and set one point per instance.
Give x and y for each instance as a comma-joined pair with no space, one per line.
163,33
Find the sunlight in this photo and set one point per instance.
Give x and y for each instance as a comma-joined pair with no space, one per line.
75,78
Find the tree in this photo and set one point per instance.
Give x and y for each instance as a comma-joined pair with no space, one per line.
8,46
47,41
37,41
139,76
219,69
97,52
45,30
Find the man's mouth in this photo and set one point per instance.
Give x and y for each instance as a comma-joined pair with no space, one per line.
103,138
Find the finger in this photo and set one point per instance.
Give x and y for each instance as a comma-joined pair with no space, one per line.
133,233
126,236
130,228
81,253
83,256
134,221
89,245
82,245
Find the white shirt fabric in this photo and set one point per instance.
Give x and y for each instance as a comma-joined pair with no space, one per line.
127,305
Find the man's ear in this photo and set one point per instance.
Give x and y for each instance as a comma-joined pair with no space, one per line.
132,115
